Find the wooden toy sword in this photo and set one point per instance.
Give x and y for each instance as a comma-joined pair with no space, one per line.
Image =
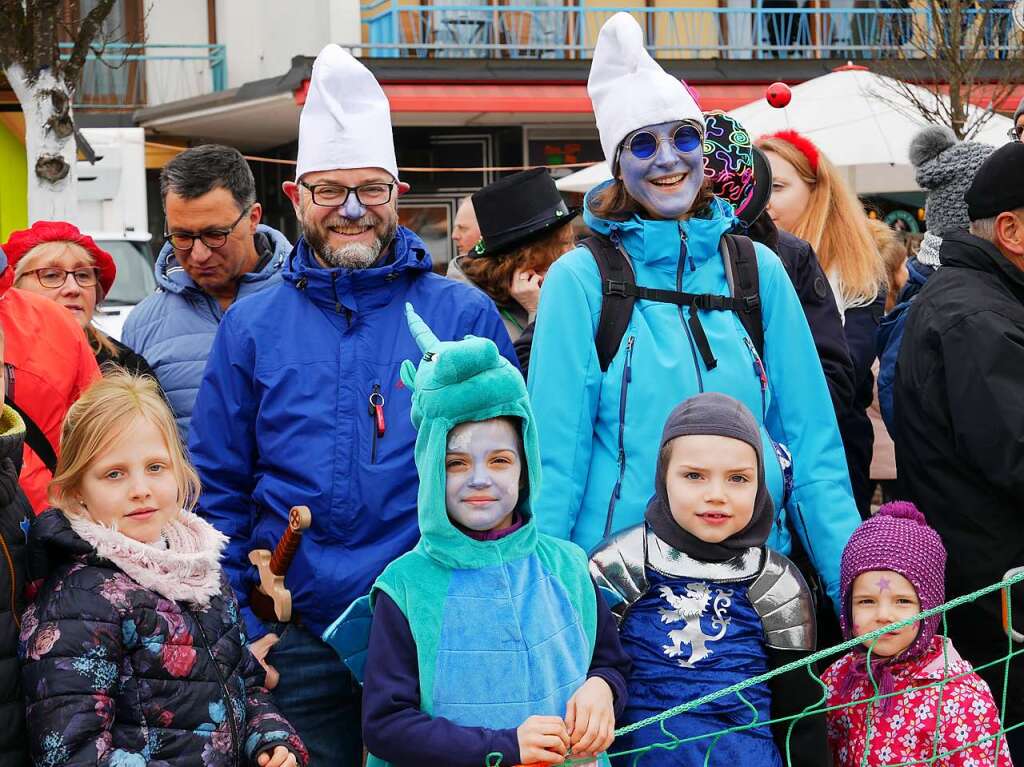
270,599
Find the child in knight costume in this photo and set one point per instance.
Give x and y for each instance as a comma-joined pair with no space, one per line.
488,639
704,604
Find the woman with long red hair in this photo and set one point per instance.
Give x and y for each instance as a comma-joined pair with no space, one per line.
811,200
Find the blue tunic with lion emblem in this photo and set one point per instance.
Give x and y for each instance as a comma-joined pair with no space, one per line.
688,638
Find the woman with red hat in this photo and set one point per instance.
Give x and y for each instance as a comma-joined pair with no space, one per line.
55,260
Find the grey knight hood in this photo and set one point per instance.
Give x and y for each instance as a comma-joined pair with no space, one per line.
716,414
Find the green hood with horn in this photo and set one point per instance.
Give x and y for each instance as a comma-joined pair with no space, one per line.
457,382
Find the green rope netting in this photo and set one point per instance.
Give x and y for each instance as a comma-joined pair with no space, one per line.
819,707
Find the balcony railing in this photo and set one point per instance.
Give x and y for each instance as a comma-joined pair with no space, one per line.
443,29
134,75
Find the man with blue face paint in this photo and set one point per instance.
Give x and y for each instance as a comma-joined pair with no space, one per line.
301,402
598,414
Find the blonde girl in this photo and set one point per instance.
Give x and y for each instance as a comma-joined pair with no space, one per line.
133,650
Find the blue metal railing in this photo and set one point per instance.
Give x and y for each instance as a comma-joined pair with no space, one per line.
537,30
132,75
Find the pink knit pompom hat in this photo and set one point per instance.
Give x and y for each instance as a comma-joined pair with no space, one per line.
897,538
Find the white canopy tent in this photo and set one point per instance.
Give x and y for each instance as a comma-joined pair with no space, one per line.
859,120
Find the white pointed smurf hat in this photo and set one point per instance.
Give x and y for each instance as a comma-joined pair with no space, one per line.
628,88
346,120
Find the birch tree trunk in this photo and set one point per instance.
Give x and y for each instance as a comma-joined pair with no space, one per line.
49,144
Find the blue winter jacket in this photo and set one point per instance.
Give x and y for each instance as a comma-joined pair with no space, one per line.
588,419
174,328
283,418
890,336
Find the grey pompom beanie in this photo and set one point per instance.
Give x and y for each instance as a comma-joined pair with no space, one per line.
944,168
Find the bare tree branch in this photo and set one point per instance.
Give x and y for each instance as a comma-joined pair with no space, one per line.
42,53
12,31
962,53
87,33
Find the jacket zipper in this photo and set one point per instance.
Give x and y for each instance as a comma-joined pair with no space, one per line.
215,310
14,582
762,376
334,289
683,256
376,409
627,376
223,684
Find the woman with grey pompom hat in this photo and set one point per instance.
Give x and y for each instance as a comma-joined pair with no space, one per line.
944,168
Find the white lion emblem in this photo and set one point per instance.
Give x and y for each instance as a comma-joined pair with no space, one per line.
689,609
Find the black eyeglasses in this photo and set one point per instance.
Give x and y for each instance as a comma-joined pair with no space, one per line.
336,195
1015,132
211,238
644,144
54,277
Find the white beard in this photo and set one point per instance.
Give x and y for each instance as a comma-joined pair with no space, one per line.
355,256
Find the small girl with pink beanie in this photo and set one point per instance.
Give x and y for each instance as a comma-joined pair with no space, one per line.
892,569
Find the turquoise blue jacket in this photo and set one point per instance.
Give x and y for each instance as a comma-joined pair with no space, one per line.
585,417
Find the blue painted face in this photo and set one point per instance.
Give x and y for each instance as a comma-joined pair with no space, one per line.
483,465
667,183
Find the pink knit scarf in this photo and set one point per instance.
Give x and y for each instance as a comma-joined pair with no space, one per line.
186,570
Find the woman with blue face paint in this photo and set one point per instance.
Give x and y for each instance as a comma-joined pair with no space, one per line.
598,414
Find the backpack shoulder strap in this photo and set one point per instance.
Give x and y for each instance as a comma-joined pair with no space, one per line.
36,440
741,267
616,303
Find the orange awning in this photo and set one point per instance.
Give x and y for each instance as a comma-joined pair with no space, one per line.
530,98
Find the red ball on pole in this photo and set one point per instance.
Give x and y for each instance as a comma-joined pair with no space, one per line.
778,95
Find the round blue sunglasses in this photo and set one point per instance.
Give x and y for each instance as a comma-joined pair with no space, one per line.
644,144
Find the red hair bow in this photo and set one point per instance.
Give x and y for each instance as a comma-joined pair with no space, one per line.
802,144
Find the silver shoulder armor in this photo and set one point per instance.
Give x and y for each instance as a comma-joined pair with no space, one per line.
618,566
781,597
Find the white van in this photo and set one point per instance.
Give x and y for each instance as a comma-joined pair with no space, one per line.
112,210
134,281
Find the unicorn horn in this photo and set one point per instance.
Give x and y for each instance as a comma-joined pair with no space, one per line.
424,336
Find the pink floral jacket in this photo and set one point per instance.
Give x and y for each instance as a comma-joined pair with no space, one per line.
907,734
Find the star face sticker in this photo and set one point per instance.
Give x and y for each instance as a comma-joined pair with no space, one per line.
883,584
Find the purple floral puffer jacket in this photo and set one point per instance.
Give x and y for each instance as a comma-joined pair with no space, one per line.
136,656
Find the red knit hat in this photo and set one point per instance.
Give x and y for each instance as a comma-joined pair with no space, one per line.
22,241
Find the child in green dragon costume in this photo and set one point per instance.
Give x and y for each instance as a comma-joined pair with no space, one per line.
489,641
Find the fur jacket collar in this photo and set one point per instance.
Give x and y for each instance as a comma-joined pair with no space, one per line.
187,569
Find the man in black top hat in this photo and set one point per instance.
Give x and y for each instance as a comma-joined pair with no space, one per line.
960,414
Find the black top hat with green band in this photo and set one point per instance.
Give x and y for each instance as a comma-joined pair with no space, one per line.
516,210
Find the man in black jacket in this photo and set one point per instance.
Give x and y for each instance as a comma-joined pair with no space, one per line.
14,516
959,414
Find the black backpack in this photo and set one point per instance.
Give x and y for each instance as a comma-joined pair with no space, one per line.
619,293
